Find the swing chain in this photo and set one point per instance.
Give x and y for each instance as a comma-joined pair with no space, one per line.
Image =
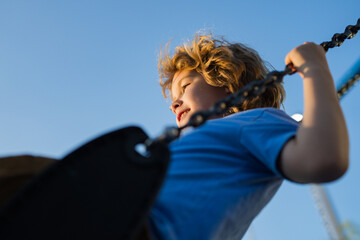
253,89
346,86
339,38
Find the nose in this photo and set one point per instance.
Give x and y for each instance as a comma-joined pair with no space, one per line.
175,105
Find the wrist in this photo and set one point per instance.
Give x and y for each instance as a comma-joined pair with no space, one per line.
315,71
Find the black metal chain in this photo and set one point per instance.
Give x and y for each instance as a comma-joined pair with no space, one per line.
339,38
346,86
254,89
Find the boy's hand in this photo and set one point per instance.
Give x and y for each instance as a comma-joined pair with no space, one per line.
307,57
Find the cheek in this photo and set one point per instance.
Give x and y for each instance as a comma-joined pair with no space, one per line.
205,99
215,94
193,98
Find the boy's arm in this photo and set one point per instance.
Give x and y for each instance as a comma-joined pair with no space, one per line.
319,151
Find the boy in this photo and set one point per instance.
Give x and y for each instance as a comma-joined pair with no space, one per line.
223,173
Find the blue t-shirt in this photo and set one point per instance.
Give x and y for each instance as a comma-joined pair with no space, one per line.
221,175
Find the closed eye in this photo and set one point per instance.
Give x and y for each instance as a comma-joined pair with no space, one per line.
184,87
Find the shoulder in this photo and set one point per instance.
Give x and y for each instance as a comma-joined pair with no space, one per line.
261,116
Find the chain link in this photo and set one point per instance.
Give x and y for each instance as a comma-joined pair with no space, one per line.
338,38
346,86
254,89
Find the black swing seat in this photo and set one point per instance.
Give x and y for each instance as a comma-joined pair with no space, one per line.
102,190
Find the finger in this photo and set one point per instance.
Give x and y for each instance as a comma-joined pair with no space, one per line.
290,69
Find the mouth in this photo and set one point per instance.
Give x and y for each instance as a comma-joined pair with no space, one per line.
182,114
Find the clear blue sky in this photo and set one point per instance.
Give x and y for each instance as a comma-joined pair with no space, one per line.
72,70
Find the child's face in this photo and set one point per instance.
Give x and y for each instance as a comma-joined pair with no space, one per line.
190,93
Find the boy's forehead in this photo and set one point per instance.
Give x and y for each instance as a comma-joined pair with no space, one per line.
180,75
173,85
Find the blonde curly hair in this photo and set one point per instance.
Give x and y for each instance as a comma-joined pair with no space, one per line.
222,64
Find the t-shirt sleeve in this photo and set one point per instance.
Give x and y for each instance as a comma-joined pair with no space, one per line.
266,135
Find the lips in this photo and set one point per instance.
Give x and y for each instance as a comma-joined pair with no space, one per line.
181,114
